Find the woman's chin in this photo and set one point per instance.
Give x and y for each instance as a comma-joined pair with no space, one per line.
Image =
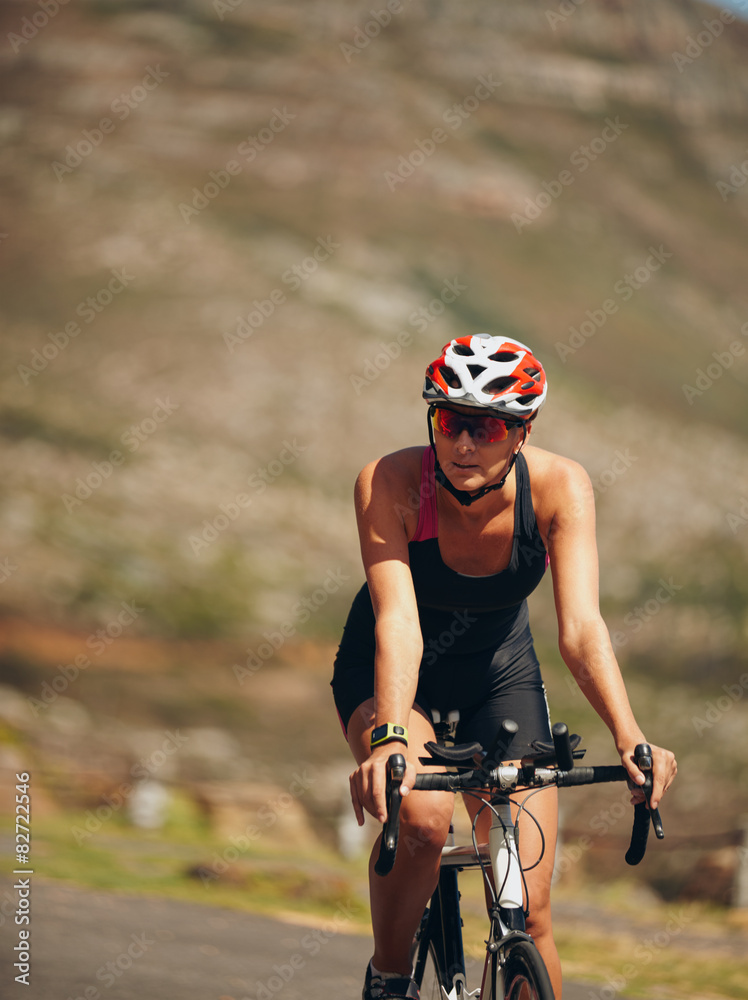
465,478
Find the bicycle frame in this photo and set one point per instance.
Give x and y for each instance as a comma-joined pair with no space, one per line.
443,931
512,963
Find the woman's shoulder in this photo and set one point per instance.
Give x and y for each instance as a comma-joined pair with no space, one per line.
554,476
395,470
385,489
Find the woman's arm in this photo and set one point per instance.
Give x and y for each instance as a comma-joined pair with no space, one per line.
584,641
383,537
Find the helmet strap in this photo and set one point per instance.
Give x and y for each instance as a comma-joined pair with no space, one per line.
463,496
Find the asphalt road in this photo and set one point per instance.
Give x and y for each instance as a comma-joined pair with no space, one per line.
90,945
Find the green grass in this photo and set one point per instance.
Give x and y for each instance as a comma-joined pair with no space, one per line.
183,861
653,962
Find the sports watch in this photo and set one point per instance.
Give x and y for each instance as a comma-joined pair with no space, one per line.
388,733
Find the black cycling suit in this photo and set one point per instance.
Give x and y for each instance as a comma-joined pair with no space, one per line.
478,651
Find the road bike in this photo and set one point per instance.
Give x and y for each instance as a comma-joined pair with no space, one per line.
513,968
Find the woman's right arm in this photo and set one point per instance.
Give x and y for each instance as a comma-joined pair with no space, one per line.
399,644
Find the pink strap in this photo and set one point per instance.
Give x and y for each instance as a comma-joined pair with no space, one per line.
428,518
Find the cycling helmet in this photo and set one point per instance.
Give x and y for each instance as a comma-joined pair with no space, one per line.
487,372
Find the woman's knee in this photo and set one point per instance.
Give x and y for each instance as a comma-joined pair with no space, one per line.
539,923
424,820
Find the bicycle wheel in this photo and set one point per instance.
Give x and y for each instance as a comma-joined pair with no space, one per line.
438,966
525,975
432,979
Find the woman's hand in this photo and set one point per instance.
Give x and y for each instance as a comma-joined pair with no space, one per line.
369,782
664,769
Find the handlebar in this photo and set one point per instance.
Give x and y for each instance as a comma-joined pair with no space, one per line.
508,778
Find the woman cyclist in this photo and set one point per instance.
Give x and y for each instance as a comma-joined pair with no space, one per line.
453,541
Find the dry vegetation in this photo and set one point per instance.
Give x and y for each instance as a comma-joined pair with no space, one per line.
200,413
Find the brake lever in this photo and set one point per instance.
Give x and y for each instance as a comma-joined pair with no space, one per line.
643,760
391,828
643,813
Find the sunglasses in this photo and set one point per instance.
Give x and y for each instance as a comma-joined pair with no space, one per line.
485,429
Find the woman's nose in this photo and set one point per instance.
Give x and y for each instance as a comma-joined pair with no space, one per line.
464,441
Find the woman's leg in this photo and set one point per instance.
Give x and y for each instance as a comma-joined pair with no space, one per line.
544,807
399,899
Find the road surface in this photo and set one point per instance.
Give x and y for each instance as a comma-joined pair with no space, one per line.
95,945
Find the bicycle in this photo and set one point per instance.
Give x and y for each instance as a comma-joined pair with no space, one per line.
513,968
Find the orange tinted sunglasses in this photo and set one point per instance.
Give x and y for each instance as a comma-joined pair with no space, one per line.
483,429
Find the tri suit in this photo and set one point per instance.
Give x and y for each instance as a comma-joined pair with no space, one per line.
478,653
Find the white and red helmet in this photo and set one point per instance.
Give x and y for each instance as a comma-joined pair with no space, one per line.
490,373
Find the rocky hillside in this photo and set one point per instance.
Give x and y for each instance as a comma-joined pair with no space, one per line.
235,232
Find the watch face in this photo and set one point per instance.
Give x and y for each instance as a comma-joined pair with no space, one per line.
387,732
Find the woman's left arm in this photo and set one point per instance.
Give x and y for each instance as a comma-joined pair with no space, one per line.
584,641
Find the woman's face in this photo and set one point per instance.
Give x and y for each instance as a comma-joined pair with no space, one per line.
469,460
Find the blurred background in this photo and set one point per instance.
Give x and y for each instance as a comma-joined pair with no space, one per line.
233,235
